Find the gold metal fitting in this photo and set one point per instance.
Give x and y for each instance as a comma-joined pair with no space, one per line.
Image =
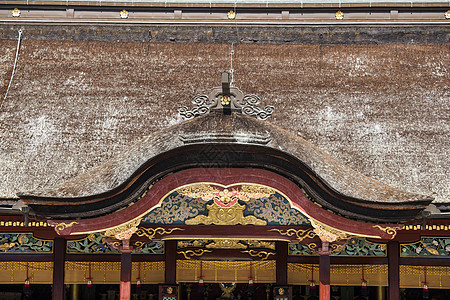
447,14
339,15
231,15
15,12
124,14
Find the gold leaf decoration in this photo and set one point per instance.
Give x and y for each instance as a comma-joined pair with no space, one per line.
151,232
188,254
61,226
233,215
261,254
300,233
226,244
389,230
124,231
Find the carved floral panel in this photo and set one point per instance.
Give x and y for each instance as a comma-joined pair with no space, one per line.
24,243
427,247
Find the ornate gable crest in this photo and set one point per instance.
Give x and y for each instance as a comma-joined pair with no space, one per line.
227,99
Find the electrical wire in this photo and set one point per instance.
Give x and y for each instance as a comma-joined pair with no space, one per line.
14,68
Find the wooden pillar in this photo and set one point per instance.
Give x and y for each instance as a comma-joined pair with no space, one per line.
393,270
324,272
171,262
282,254
125,270
59,251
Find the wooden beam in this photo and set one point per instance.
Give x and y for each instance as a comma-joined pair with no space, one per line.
125,275
282,253
171,262
324,272
59,251
393,270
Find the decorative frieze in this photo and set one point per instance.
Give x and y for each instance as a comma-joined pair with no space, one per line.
24,243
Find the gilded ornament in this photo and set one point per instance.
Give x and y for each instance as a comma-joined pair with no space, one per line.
218,215
15,12
169,290
327,233
191,243
300,233
188,254
231,15
335,248
151,232
124,14
261,254
226,244
261,244
225,100
312,246
339,15
61,226
226,197
6,246
389,230
22,239
447,14
124,231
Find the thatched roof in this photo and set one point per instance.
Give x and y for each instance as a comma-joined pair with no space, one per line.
382,110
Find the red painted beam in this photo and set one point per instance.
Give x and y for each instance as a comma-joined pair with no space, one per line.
393,270
125,275
59,251
324,272
224,177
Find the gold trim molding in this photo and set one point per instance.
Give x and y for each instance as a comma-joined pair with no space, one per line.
62,226
188,254
151,232
300,233
389,230
264,255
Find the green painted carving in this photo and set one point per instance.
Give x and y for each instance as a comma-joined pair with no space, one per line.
276,210
94,243
427,247
299,249
361,247
148,248
24,243
175,209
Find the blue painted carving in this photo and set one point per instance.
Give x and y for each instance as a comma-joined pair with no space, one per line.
24,243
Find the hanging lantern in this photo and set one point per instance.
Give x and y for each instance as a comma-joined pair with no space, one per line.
138,280
425,291
89,279
364,290
312,284
201,286
26,286
250,282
